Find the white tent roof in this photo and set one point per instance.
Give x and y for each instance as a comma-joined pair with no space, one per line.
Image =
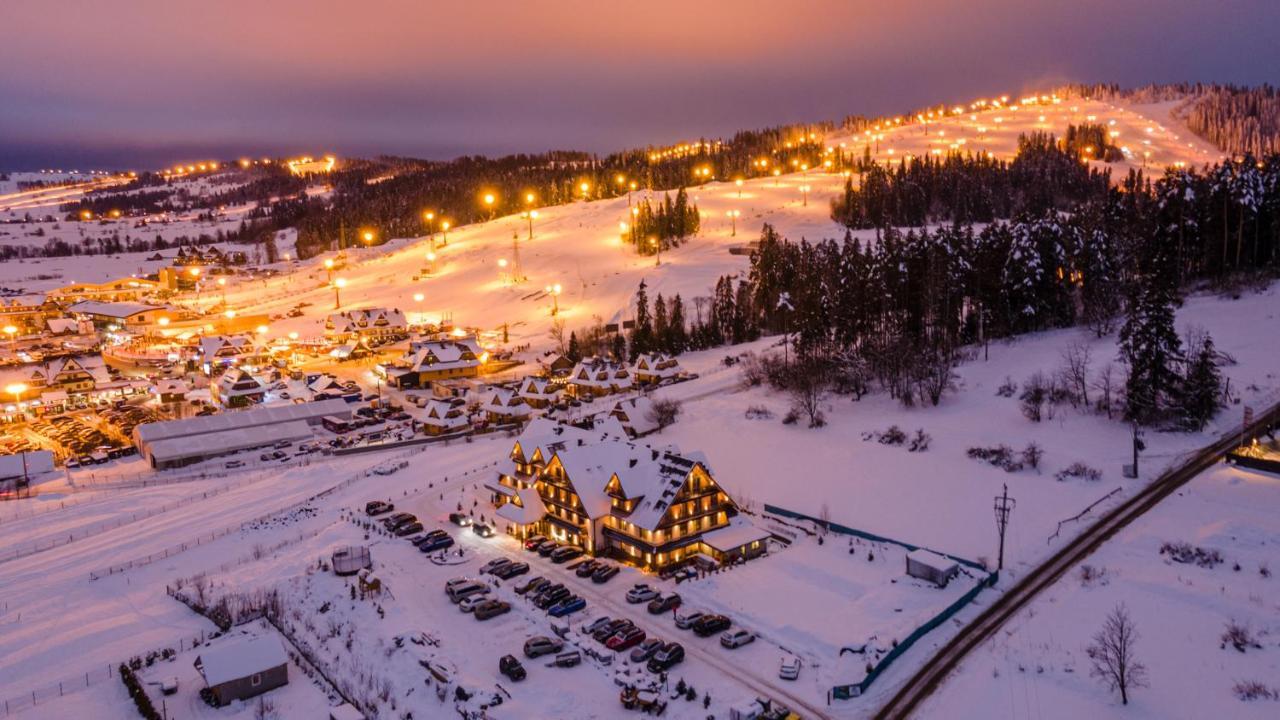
227,441
152,432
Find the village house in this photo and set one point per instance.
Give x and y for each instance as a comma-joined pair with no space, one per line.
171,390
429,361
538,392
372,323
236,388
614,498
241,668
129,289
29,314
224,350
504,407
596,377
67,375
634,414
134,317
555,364
653,368
444,417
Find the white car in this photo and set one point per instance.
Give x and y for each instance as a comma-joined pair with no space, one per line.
736,638
684,622
469,604
790,668
641,593
457,581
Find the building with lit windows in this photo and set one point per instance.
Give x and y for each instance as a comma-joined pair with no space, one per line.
649,507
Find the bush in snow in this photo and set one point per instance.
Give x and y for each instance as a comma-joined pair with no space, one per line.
1035,392
663,412
1249,690
1187,553
1239,637
1091,575
1000,456
1031,456
893,436
758,412
1080,470
1007,388
920,443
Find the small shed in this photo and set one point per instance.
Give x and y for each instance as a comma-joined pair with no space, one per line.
351,560
931,566
243,668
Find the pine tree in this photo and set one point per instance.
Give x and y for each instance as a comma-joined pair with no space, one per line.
679,336
1202,387
661,328
642,332
574,352
1149,344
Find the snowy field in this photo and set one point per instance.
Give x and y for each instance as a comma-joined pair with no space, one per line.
1036,666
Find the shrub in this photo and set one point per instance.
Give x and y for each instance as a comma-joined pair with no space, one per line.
1239,637
1007,388
1187,553
1249,690
140,698
920,443
1080,470
1000,456
893,436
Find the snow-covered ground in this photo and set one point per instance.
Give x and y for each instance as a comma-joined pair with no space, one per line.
1036,666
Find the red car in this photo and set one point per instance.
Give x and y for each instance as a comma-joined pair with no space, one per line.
626,639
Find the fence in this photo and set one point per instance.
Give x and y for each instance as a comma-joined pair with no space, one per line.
852,690
202,539
106,525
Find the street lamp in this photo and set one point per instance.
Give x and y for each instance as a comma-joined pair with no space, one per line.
444,227
585,188
338,284
367,236
631,187
431,262
12,332
657,250
222,285
328,266
776,173
733,219
489,200
16,390
738,182
554,292
804,193
531,215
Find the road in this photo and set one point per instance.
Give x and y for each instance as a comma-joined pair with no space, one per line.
934,672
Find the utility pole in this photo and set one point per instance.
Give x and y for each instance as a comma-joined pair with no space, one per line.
1138,446
1003,506
516,277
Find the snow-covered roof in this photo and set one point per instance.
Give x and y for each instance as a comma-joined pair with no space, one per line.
235,659
120,310
530,510
310,411
740,531
636,411
932,560
345,711
228,441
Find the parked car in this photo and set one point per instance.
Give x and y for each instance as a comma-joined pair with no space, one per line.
510,570
709,625
536,647
474,600
378,507
789,668
408,529
230,464
568,659
551,597
641,593
567,606
454,582
482,530
603,634
548,547
736,638
625,639
659,605
532,543
669,656
492,608
604,574
458,593
646,649
432,535
494,564
436,543
584,569
459,519
684,622
532,585
394,521
565,554
596,624
512,668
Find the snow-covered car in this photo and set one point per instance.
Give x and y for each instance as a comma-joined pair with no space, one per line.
736,638
646,649
789,669
597,624
641,593
491,608
494,565
482,530
470,602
